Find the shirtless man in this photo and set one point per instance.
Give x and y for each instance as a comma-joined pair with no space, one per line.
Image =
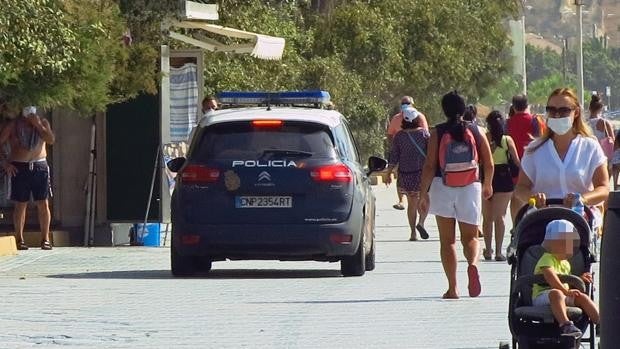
27,135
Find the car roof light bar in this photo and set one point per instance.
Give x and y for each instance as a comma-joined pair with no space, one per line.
274,98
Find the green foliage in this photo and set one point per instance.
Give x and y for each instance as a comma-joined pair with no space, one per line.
601,69
542,63
367,53
539,90
69,53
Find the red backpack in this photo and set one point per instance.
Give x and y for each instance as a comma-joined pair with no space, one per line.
458,160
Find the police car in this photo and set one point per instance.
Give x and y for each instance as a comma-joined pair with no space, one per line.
274,177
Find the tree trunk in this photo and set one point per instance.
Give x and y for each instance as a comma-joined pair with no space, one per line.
323,6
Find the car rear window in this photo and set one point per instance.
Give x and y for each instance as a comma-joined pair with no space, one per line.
244,141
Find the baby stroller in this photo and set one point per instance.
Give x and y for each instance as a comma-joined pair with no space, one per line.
535,327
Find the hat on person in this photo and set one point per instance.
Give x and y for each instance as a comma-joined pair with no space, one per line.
410,114
560,229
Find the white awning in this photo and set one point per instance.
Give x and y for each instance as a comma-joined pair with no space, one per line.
260,46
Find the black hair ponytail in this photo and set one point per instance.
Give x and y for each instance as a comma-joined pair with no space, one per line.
453,106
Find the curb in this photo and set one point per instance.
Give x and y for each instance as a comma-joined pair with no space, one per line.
8,247
60,238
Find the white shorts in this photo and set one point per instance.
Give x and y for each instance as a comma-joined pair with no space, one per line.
543,299
462,203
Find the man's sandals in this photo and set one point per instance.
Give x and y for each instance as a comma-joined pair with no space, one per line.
21,245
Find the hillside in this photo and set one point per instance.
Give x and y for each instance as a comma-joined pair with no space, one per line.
556,19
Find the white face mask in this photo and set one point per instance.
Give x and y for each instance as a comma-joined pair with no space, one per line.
560,126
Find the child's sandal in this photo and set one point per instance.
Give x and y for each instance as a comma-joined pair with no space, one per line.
46,245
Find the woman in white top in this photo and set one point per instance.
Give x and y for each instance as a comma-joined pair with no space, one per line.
566,160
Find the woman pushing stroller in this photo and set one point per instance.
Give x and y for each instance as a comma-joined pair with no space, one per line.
566,162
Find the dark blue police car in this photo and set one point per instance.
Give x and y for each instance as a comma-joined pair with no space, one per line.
282,180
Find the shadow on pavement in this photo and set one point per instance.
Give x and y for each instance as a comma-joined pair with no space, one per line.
213,274
404,299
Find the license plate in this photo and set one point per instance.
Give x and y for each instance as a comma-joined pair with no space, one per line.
264,202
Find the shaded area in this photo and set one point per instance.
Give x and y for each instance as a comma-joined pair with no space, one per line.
384,300
214,274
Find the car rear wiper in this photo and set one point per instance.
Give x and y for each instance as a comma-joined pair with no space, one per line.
286,152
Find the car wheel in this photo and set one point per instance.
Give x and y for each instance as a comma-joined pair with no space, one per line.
182,265
370,258
354,265
204,264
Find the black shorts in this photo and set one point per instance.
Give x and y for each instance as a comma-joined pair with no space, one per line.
31,177
502,179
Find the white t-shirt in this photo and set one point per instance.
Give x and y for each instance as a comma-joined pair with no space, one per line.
555,177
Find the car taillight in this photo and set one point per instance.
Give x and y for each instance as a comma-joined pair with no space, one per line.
332,173
199,174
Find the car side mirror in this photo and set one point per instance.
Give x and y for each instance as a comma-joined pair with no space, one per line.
175,164
375,164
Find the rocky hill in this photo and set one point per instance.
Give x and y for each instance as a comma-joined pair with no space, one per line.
556,19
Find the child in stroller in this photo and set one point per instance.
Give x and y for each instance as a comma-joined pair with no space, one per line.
558,243
539,315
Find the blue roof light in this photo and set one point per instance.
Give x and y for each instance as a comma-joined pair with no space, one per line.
263,97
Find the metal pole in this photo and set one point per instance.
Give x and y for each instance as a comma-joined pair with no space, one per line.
89,190
564,52
610,268
140,232
524,53
579,5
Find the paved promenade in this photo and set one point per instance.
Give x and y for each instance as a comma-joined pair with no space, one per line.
125,298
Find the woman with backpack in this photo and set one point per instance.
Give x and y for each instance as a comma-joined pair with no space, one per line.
494,209
451,189
409,152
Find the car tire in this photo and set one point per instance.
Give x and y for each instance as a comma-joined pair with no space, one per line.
370,258
181,265
354,265
204,264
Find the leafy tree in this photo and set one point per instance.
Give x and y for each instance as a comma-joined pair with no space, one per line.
541,63
601,69
70,53
367,53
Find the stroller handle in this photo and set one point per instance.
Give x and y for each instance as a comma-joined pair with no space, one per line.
556,202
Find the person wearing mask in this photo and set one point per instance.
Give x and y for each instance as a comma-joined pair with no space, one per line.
566,162
409,152
394,126
451,203
494,209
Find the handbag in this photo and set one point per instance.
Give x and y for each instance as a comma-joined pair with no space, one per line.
607,144
514,168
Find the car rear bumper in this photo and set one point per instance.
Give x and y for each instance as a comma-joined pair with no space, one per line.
280,242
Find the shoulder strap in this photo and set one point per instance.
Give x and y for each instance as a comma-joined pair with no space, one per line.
476,132
605,127
416,144
505,146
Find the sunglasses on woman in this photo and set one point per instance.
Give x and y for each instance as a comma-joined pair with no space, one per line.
558,110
